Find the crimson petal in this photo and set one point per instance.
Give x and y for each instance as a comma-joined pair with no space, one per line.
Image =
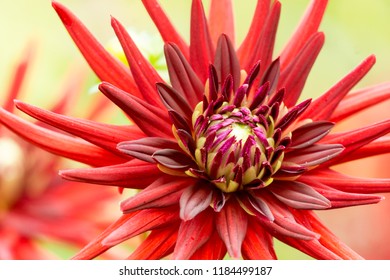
194,200
308,134
172,158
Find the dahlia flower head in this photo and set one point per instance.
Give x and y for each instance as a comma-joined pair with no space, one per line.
225,156
37,207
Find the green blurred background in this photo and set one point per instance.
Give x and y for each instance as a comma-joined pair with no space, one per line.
354,29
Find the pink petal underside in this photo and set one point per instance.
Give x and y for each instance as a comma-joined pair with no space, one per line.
361,99
144,148
58,143
226,62
299,196
201,46
193,234
106,67
164,26
377,147
151,120
213,249
353,140
307,27
248,45
142,221
221,19
231,223
143,72
264,249
18,78
323,107
165,191
95,247
104,135
339,198
194,200
308,134
294,76
133,174
157,245
347,183
173,159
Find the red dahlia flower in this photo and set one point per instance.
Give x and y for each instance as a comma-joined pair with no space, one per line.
225,156
36,206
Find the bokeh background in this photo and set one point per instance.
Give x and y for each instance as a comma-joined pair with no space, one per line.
354,29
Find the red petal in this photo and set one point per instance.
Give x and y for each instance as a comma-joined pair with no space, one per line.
231,223
307,27
201,46
58,143
151,120
361,99
323,107
248,45
377,147
103,135
143,72
221,19
193,234
106,67
264,249
133,174
164,26
213,249
195,199
157,245
165,191
308,134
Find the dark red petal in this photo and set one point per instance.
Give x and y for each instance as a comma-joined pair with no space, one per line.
201,46
151,120
144,148
143,72
293,76
213,249
299,196
165,191
347,183
361,99
142,221
221,19
248,45
133,174
226,61
164,26
231,223
310,133
58,143
323,107
193,234
104,135
106,67
264,249
158,244
195,199
307,27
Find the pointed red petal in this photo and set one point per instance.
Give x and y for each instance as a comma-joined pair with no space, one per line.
308,134
157,245
58,143
307,27
143,72
294,76
213,249
377,147
106,67
201,46
361,99
221,19
323,107
194,200
248,45
151,120
164,26
133,174
193,234
231,223
103,135
264,249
